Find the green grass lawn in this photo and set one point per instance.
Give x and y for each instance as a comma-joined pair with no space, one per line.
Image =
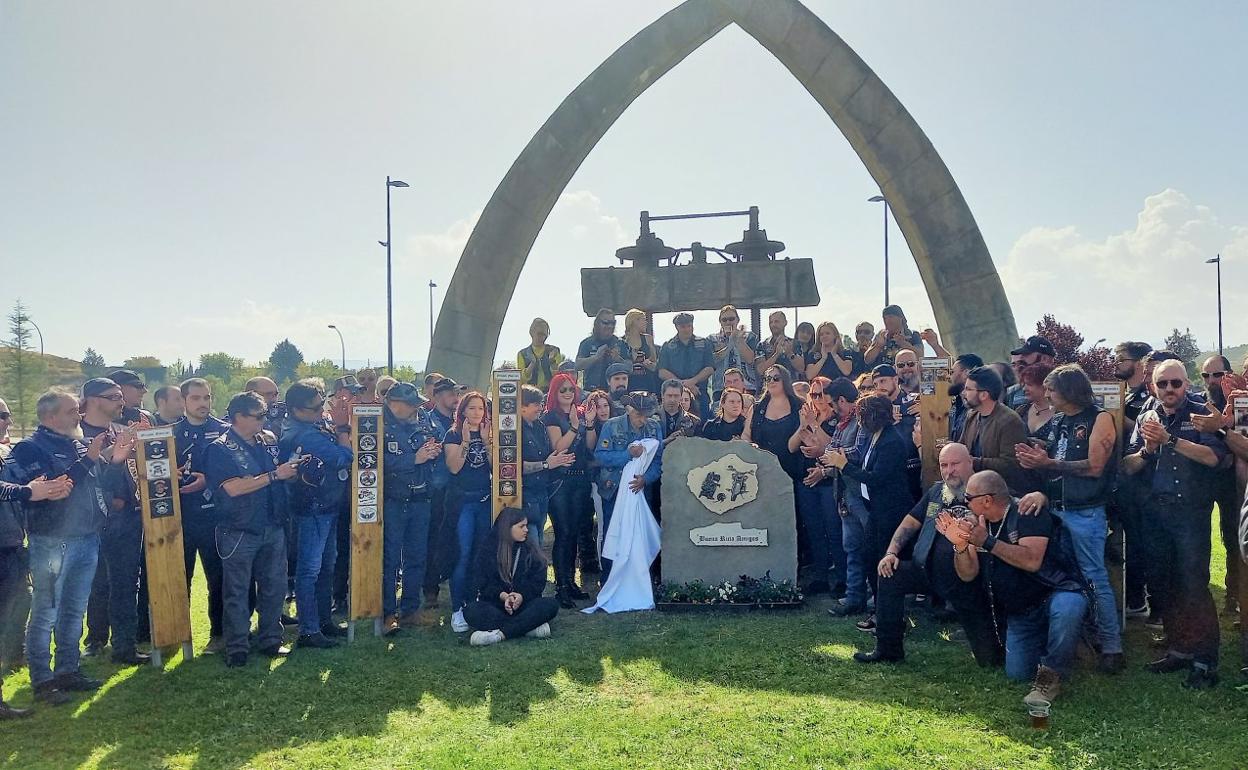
642,690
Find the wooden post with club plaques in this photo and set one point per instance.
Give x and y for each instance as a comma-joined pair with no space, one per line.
508,483
934,407
1111,396
367,532
162,542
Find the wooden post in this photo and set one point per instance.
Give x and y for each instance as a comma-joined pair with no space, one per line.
367,517
934,407
1111,396
170,607
508,481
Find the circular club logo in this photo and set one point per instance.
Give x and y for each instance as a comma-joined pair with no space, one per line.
368,442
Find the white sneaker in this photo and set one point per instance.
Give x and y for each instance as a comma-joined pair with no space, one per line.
485,638
541,632
458,624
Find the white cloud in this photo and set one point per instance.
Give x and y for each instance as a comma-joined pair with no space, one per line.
1138,283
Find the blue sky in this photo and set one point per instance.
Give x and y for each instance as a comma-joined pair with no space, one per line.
180,178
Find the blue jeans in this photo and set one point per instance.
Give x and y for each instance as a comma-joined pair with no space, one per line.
472,528
1088,531
314,574
536,505
405,543
854,540
1047,634
61,571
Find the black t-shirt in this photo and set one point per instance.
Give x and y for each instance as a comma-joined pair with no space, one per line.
718,430
535,448
832,371
474,476
584,454
1013,589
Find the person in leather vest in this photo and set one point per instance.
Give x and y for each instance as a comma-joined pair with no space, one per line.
249,489
1078,465
412,445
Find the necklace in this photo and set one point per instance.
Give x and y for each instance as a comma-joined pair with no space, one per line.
1000,526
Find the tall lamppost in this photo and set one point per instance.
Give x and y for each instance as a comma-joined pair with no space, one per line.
1218,261
882,199
31,321
389,282
432,286
344,347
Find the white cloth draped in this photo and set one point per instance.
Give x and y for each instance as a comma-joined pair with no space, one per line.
632,542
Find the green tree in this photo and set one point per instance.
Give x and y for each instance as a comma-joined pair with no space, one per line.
223,366
1183,344
325,368
92,363
407,374
284,361
25,371
142,362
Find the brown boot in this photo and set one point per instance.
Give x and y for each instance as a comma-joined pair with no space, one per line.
1045,689
390,626
410,620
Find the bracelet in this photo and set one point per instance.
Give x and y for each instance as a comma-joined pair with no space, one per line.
892,553
990,542
964,550
272,476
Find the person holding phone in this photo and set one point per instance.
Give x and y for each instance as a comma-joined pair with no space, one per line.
251,507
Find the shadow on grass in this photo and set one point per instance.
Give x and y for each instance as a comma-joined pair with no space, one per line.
211,716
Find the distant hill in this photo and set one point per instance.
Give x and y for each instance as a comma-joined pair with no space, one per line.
61,371
1235,355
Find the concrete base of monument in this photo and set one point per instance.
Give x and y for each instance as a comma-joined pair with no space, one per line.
727,512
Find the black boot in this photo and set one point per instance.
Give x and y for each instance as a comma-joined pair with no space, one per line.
564,598
880,654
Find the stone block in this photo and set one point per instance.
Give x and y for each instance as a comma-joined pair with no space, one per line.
727,511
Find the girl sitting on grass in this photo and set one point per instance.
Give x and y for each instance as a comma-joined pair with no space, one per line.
511,574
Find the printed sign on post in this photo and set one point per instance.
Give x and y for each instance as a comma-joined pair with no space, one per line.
367,514
508,481
162,539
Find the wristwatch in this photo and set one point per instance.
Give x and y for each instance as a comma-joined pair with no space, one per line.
1172,441
545,465
989,543
1220,433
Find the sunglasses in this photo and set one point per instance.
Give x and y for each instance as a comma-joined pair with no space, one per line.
731,320
114,397
5,415
972,498
260,416
773,378
818,394
908,365
567,389
1214,375
607,323
1171,384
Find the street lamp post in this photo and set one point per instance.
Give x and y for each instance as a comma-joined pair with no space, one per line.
389,281
344,347
432,286
882,199
1218,261
31,321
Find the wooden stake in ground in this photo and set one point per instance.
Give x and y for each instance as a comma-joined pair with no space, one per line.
508,491
1111,396
933,415
366,517
170,608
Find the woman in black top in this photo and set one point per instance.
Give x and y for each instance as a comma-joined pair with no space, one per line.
1037,412
538,460
570,505
642,354
511,575
829,358
775,420
729,422
803,344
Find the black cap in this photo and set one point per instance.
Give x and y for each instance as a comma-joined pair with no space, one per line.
618,368
98,386
445,384
883,370
682,318
1035,344
349,382
641,401
127,377
406,393
567,365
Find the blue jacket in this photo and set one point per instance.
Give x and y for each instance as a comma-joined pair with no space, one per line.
404,479
612,452
47,453
440,475
322,483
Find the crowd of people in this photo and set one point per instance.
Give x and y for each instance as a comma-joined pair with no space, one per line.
1013,541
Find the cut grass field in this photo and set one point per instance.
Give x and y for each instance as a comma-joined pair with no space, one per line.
641,690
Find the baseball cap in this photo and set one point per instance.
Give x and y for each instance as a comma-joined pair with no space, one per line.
568,365
641,401
615,369
98,386
1035,344
883,370
445,384
127,377
406,393
349,382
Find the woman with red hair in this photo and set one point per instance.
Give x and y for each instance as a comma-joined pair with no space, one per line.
570,503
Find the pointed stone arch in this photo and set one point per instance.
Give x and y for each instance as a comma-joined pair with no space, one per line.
967,297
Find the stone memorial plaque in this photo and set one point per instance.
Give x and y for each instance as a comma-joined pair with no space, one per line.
727,511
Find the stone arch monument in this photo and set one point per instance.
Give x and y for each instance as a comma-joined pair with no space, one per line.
967,297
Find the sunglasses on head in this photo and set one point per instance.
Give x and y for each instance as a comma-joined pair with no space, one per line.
1171,384
1214,375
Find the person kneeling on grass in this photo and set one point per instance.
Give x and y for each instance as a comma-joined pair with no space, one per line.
511,574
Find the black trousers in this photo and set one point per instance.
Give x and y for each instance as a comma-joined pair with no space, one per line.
114,601
968,600
199,537
14,602
570,506
1180,549
488,616
1127,508
443,548
1226,495
880,531
342,567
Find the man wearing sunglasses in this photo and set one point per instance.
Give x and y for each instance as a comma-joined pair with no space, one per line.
907,365
600,350
1035,350
1219,380
734,347
1174,459
133,389
250,492
114,604
319,491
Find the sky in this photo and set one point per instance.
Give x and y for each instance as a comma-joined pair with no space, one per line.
179,178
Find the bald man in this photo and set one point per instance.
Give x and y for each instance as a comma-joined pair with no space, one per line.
931,566
1173,461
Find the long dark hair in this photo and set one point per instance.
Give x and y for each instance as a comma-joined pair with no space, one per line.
786,380
875,413
508,518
